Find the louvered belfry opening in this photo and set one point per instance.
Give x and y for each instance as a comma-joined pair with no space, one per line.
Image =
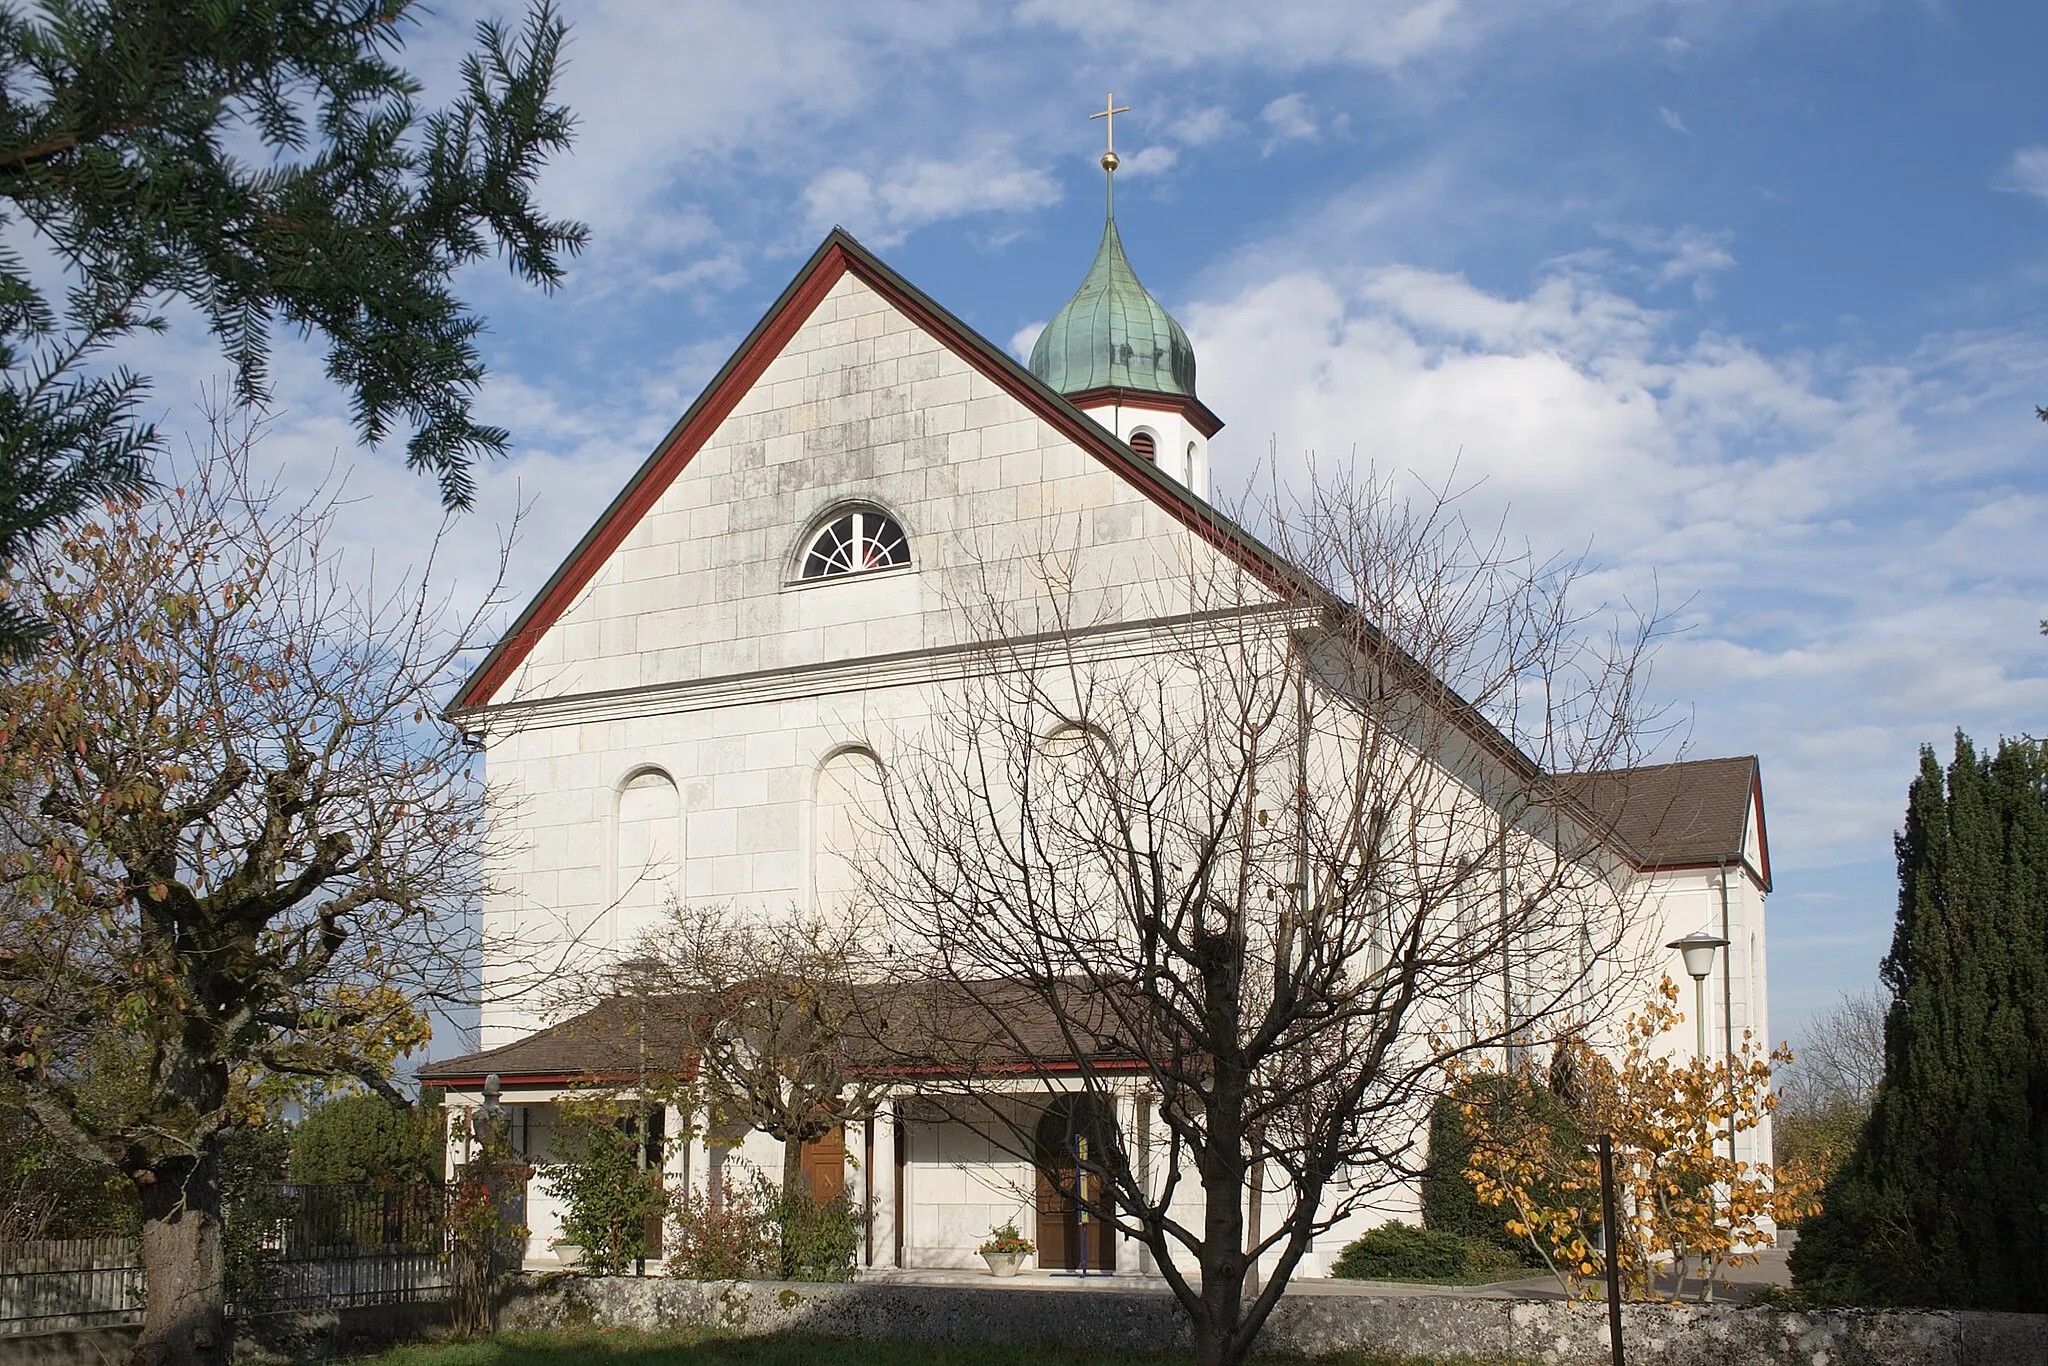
1142,443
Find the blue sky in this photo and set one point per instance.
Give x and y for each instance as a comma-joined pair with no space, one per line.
1750,297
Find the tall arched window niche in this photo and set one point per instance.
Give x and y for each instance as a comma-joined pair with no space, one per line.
647,853
849,823
1076,765
859,539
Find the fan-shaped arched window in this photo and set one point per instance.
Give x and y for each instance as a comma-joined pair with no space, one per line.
855,542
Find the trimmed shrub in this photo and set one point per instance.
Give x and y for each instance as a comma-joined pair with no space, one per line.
1402,1252
818,1238
365,1139
1449,1203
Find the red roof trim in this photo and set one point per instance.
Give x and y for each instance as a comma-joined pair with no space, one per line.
1703,865
676,450
511,1079
526,1079
1763,838
1193,409
1007,1069
838,254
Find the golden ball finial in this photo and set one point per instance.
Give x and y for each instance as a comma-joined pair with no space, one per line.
1110,162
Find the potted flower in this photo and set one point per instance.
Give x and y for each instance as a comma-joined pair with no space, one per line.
1005,1248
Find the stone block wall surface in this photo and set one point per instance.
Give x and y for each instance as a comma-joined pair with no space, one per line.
1552,1332
271,1340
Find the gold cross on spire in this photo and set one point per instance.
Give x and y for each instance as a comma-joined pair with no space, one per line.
1110,110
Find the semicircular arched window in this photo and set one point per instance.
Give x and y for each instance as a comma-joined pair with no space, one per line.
854,543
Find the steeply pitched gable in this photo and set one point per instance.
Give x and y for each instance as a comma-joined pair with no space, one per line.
836,257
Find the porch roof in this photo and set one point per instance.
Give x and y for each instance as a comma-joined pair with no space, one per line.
920,1029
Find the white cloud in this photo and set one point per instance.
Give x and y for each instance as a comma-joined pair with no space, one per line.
1849,544
1024,338
1387,35
1154,160
1201,127
2027,172
1382,33
1687,253
916,193
1289,119
1670,119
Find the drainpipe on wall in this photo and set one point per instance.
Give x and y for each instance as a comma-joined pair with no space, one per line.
1507,953
1728,997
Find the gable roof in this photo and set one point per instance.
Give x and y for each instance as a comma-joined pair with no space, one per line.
1693,814
839,254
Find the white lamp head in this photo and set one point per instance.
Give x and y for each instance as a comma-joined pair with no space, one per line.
1698,949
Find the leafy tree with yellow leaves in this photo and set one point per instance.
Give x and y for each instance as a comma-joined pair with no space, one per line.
1681,1197
237,844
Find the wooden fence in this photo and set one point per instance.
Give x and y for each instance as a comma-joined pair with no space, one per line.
289,1247
69,1283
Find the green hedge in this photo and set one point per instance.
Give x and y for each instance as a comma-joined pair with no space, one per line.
1449,1204
1402,1252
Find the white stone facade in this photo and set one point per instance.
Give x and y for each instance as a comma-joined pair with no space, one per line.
696,722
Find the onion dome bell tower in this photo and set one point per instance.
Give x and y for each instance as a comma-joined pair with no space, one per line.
1114,353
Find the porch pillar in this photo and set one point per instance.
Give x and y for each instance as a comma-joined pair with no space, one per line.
1133,1126
885,1235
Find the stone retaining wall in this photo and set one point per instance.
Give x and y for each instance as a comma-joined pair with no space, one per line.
1548,1331
271,1340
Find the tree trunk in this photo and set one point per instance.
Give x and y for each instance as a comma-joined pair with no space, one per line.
792,1187
1223,1262
184,1262
793,1168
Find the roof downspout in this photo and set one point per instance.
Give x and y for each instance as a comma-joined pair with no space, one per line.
1728,996
1507,951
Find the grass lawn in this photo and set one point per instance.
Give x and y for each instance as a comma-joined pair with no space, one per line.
697,1348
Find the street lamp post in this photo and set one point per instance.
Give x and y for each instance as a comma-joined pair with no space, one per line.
1698,949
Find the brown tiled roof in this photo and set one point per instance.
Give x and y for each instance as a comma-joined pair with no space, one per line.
603,1042
961,1028
1679,815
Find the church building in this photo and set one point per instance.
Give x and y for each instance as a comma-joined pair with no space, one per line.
698,706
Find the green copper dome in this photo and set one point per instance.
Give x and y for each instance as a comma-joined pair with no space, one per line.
1112,334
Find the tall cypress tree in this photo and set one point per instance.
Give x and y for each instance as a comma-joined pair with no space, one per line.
1945,1198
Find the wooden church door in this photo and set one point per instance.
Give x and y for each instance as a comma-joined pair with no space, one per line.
1066,1231
822,1166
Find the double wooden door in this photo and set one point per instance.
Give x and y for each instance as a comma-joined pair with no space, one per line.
1072,1236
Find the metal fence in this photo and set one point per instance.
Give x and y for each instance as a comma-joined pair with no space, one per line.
289,1246
330,1247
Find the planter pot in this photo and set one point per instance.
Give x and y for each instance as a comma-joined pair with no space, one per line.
1002,1263
568,1254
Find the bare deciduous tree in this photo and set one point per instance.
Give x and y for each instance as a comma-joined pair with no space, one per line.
240,847
1841,1054
773,1028
1265,865
1830,1085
